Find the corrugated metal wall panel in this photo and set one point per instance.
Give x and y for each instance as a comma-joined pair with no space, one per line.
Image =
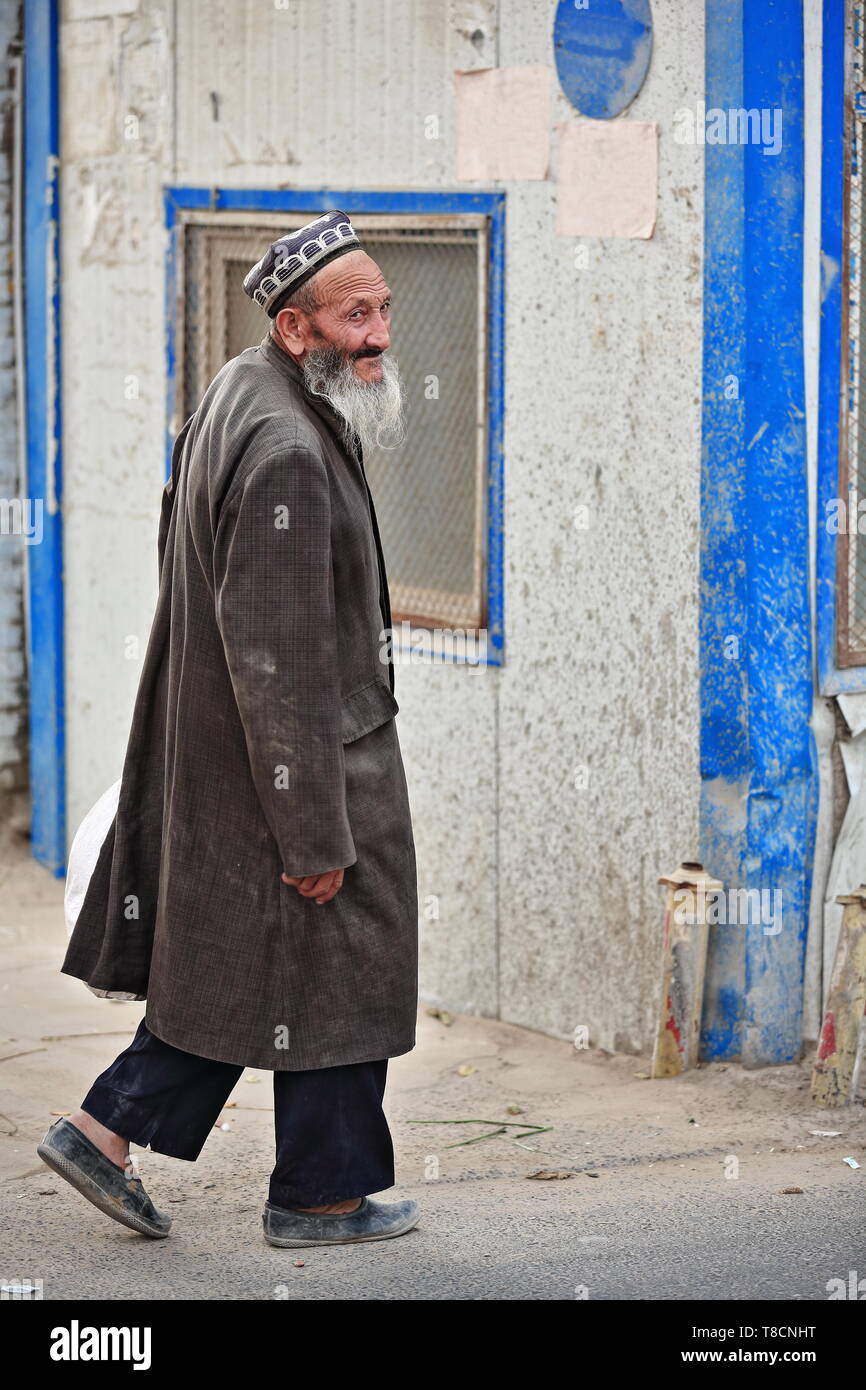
315,94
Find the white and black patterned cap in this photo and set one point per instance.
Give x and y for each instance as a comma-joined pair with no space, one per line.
289,262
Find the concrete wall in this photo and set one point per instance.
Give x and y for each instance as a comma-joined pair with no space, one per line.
115,64
549,913
13,675
604,410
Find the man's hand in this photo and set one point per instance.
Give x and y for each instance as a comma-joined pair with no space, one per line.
322,887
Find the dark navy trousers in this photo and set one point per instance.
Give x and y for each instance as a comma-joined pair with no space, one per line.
332,1138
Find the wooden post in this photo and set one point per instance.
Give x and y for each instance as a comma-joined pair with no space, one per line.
840,1035
684,958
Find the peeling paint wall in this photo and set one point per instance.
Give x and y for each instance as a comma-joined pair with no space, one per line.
13,674
115,136
756,636
549,911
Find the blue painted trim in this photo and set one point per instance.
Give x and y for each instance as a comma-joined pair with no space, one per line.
496,441
491,205
43,406
758,765
833,679
172,425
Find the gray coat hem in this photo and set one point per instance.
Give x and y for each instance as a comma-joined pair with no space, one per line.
335,1058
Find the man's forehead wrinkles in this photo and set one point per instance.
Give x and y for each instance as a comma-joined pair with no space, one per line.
358,285
362,298
363,292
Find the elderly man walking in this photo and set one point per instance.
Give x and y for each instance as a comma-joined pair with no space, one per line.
258,885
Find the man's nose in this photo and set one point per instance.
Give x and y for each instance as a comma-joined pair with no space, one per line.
379,335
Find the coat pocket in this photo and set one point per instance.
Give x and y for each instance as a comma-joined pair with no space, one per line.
366,709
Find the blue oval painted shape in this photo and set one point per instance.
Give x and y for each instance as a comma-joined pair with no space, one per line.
602,50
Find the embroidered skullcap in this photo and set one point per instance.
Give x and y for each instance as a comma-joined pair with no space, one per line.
289,262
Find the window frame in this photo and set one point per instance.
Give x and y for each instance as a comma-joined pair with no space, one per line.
248,206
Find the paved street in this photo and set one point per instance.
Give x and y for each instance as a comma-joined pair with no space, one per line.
648,1212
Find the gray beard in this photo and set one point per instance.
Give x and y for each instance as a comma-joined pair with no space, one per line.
371,410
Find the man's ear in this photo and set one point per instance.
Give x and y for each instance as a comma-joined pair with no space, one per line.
290,330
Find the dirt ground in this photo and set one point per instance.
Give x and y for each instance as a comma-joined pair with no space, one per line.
675,1187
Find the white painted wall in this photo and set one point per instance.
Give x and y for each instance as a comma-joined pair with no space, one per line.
549,909
114,61
604,388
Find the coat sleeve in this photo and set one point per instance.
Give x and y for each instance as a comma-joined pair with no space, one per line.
274,593
168,493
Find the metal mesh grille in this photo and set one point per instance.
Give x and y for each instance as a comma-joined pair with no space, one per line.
851,637
429,493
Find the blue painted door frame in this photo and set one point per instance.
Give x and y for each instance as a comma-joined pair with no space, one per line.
758,764
44,477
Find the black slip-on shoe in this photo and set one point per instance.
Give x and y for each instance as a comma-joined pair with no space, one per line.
74,1157
370,1221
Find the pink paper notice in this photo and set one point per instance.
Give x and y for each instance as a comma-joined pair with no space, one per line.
607,178
503,122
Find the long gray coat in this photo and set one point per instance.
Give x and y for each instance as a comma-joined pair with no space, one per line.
263,740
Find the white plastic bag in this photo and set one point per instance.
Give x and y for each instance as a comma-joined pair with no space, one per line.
88,841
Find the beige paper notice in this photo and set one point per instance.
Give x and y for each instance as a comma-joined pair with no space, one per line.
503,129
607,178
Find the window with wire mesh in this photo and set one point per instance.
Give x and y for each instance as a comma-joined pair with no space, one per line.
430,492
851,556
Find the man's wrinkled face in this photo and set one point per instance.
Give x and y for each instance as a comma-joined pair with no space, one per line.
340,347
353,317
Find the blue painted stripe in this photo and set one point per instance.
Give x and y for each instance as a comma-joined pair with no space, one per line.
172,424
832,678
496,441
319,199
491,205
43,406
759,788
